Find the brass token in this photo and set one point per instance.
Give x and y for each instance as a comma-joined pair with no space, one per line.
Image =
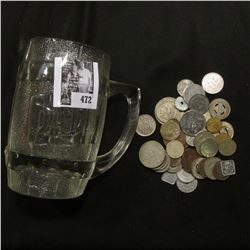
214,124
222,137
175,149
209,147
220,107
170,130
209,167
227,147
218,173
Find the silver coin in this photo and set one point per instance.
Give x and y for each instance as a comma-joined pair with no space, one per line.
180,104
199,103
146,125
228,167
184,176
152,154
187,187
182,86
192,122
194,169
212,83
220,107
194,89
170,178
190,140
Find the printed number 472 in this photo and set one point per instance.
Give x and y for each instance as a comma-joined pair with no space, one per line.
86,99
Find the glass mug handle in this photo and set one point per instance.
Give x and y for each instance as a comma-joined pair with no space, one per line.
133,97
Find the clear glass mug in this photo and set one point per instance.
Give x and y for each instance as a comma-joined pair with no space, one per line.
58,116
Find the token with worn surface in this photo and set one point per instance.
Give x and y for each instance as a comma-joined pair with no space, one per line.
218,173
199,103
227,128
187,187
170,178
194,170
146,125
192,122
194,89
214,125
222,137
227,167
152,154
212,83
170,130
165,109
180,104
190,140
175,149
184,176
209,167
209,147
182,86
220,107
227,147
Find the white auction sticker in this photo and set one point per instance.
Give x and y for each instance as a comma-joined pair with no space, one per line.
76,84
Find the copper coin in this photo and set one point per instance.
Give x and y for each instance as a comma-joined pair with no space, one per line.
189,155
214,125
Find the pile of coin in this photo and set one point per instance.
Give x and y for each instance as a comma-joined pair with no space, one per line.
194,131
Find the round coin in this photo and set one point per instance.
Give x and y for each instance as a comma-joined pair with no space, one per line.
212,83
199,103
227,147
182,86
200,168
194,89
194,170
227,128
209,147
209,167
220,107
146,125
222,137
214,124
192,122
182,139
185,176
180,104
175,149
170,130
189,155
187,187
152,154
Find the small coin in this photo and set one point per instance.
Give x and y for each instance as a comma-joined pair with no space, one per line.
218,173
170,178
194,89
170,130
194,170
175,149
199,103
184,176
214,124
227,128
220,107
182,86
180,104
175,169
227,167
212,83
187,187
209,147
192,122
209,167
152,154
227,147
190,140
222,137
146,125
165,110
207,116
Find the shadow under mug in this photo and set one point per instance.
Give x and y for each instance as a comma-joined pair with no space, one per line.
58,117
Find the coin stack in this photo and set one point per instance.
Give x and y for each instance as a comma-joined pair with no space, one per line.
194,131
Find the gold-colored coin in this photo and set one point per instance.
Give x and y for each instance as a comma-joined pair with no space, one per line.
209,147
175,149
214,124
170,130
227,147
222,137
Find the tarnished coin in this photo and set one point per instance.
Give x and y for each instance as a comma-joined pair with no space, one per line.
175,169
180,104
165,109
227,128
190,140
227,167
218,173
222,137
194,170
152,154
227,147
175,149
194,89
220,107
199,103
182,86
209,167
146,125
187,187
192,122
185,176
209,147
207,116
189,155
170,178
170,130
214,124
212,83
